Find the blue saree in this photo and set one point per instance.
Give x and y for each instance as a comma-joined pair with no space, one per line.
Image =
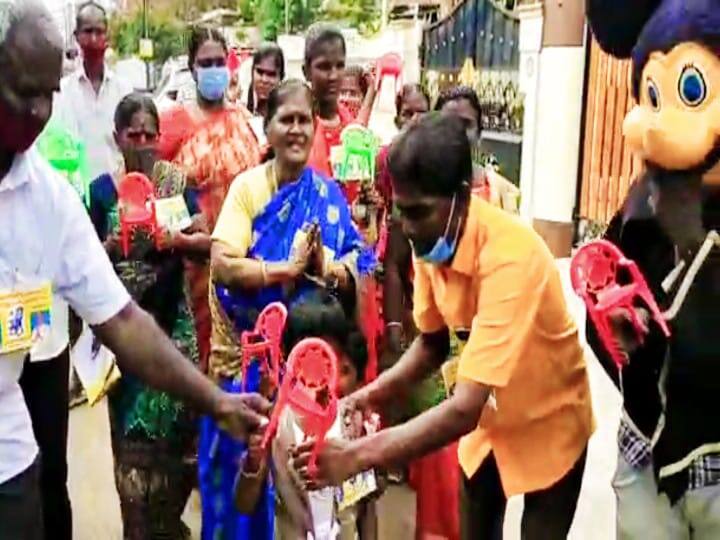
312,199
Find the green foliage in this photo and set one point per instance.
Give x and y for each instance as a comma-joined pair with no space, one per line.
270,15
168,34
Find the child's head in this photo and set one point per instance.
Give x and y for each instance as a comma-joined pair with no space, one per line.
324,61
463,102
411,103
353,87
321,315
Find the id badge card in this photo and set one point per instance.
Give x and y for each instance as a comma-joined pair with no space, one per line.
355,489
24,316
172,213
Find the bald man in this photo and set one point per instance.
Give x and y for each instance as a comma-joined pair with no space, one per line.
47,243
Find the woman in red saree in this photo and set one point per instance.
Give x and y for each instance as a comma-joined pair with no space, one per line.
212,142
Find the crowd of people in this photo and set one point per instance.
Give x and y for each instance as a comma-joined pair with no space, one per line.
476,368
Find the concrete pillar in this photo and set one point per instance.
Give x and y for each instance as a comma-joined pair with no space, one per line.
552,142
530,43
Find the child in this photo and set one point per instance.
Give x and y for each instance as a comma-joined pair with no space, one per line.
319,316
353,89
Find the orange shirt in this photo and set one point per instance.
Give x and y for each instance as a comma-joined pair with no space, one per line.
504,287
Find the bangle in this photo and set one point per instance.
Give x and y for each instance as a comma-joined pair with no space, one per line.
393,323
263,272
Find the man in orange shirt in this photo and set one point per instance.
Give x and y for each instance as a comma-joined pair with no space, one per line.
521,402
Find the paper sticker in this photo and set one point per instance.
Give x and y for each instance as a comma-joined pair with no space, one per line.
24,317
355,489
172,213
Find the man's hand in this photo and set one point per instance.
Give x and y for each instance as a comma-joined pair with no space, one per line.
624,331
242,414
337,461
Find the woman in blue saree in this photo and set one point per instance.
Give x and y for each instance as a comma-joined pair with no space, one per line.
284,231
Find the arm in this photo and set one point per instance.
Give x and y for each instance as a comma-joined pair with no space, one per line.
424,356
426,433
144,350
235,271
251,480
397,269
363,117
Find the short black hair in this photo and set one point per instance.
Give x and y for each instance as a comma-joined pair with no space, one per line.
281,91
408,90
433,155
318,34
131,104
89,5
359,73
199,36
456,93
321,315
266,50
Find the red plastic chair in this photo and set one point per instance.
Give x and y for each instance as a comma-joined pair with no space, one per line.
264,344
594,273
309,389
389,65
136,206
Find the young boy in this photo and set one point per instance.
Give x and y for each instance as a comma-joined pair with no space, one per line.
320,316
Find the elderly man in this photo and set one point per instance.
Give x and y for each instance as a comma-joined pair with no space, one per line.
48,243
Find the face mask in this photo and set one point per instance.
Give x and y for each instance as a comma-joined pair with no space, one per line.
213,82
443,250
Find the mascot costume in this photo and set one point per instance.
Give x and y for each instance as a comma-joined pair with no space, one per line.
668,476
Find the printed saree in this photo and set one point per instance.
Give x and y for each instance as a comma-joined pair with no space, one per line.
152,434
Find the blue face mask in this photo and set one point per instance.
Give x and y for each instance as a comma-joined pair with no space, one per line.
213,82
443,250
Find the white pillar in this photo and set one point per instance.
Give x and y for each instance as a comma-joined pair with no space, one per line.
530,43
558,123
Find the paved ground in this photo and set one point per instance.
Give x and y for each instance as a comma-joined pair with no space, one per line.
97,513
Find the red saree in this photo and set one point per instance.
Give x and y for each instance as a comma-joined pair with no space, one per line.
212,152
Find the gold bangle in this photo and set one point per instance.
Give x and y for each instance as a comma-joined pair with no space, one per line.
263,272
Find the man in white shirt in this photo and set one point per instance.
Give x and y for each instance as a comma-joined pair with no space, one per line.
46,239
89,96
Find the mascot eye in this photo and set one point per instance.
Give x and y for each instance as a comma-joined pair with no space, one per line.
653,95
692,87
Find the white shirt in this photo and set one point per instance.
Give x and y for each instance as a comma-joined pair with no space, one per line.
46,235
91,117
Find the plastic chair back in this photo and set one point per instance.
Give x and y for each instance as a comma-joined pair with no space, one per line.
309,389
67,156
264,343
360,143
136,204
389,65
595,273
